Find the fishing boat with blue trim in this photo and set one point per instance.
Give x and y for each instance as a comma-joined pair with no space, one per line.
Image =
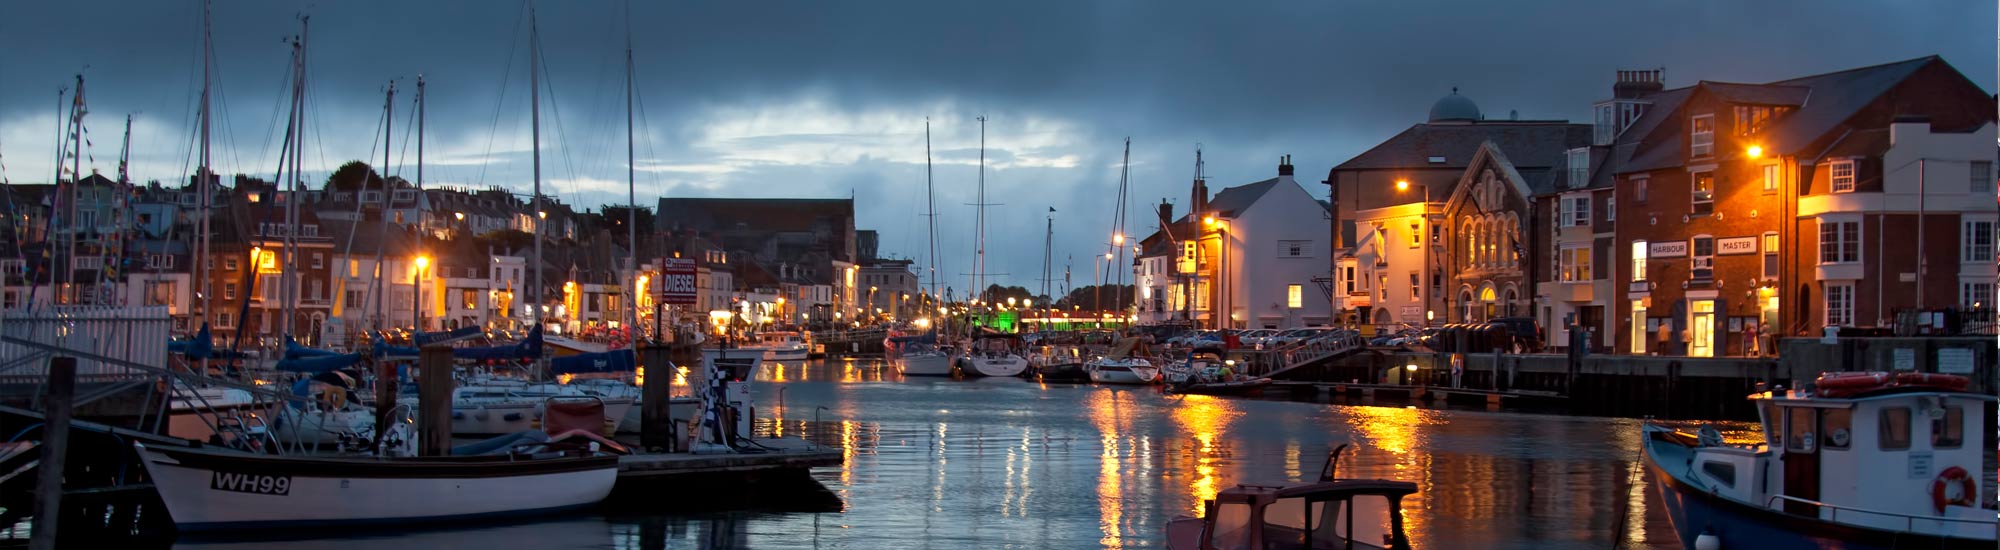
1856,461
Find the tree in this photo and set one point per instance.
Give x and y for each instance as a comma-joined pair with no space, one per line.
1000,294
1087,298
349,177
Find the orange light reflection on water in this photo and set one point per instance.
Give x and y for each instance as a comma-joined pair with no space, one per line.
1203,418
1105,412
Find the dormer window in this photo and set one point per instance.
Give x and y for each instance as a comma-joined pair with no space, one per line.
1751,119
1842,173
1701,136
1579,167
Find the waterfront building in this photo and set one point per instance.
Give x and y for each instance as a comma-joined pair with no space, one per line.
1434,224
815,237
1832,200
889,286
1252,261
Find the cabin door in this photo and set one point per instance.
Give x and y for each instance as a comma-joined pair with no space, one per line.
1801,458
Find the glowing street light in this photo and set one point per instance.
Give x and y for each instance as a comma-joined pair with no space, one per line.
1754,151
1208,220
1402,185
1118,239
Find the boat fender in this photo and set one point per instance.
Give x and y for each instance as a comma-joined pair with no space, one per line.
1953,486
1707,541
512,417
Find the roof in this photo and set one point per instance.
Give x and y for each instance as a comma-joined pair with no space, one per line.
773,215
1529,143
1824,102
1454,107
1231,201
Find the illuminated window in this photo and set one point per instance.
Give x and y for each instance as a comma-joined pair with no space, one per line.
1839,242
1416,287
1839,305
1701,136
1638,260
468,299
1771,255
1295,296
1575,264
1704,192
1770,178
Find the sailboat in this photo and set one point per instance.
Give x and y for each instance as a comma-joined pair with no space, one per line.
921,355
990,353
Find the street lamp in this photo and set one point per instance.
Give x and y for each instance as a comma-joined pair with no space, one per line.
417,302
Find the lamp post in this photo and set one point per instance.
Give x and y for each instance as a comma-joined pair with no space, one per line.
417,301
1423,213
871,303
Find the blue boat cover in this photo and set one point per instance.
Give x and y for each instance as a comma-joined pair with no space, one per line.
928,338
321,363
527,348
619,360
201,346
295,351
428,338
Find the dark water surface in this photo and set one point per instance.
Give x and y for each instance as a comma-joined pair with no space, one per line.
1008,463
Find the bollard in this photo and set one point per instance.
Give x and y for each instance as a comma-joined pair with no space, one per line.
656,430
434,385
55,450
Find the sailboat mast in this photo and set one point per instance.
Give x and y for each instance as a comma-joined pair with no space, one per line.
930,199
535,139
202,248
1118,240
76,113
1048,255
294,141
631,195
979,227
381,286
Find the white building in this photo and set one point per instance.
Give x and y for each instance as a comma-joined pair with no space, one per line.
1260,248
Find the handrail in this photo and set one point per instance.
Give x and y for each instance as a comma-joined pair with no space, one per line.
1909,521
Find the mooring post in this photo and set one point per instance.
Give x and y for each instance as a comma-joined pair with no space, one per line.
434,385
656,427
385,398
55,450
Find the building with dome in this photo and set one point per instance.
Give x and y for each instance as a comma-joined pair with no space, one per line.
1432,224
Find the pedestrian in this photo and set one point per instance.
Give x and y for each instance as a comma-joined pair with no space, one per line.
1665,336
1750,340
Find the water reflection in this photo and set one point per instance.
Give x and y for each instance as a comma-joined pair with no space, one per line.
1004,463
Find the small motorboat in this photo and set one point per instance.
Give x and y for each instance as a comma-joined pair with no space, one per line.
1058,364
1213,383
1862,461
917,355
210,489
770,346
1197,360
1124,364
1332,513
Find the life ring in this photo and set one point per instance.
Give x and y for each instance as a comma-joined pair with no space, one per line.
1953,477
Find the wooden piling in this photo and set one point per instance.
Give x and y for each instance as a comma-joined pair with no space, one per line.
55,450
656,430
434,385
385,398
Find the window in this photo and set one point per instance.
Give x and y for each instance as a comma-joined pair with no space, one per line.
229,264
1839,242
313,290
1605,129
224,319
1638,261
1895,428
354,268
159,293
228,291
1295,296
1978,239
1382,287
1799,434
1416,287
1437,234
1704,192
1575,264
1416,234
1232,525
1723,472
1579,167
1294,249
319,260
1975,295
1347,278
1770,254
1839,305
87,219
1751,119
1837,425
1579,211
1701,136
1610,209
1702,258
1948,432
1770,178
1639,190
1982,176
1842,172
353,300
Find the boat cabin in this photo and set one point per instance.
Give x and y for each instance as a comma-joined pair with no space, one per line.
1345,514
1885,455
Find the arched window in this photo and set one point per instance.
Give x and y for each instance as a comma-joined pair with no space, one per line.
1470,242
1513,296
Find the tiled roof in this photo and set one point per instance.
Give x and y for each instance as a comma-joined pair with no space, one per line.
1234,200
1528,143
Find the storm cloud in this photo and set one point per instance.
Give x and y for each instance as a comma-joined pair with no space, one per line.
830,99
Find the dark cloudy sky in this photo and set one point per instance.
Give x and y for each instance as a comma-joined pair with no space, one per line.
824,99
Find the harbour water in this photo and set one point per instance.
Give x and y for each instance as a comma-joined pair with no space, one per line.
1010,463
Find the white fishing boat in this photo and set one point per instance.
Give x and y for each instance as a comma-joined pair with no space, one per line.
770,346
1130,370
931,362
1861,461
210,490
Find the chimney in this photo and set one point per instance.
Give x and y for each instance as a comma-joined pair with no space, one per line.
1908,125
1285,165
1166,212
1634,84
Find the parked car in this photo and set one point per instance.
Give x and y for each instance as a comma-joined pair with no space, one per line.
1523,330
1255,337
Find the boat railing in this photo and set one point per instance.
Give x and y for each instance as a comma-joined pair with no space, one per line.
1909,520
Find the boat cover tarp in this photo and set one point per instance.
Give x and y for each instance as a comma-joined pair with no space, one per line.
295,351
501,444
928,337
318,364
527,348
442,337
201,346
387,352
619,360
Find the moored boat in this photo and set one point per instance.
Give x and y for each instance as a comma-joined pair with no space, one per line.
992,354
1129,370
1864,461
209,490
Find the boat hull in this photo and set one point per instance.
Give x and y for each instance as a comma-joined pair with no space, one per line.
214,491
1247,388
933,364
1068,372
1125,375
1739,525
995,366
312,428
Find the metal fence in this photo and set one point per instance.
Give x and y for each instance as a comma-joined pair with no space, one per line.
134,334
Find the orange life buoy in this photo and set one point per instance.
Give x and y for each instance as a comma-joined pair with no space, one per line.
1946,480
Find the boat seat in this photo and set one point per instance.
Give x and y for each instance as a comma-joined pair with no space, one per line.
563,416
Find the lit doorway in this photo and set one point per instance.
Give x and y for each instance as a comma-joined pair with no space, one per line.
1702,329
1639,327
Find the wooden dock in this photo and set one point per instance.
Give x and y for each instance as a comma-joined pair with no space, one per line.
787,454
